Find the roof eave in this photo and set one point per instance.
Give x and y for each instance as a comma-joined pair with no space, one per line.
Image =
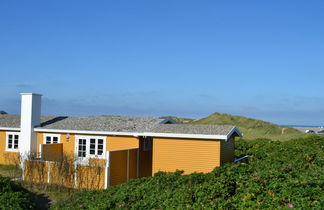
168,119
151,134
189,136
136,134
234,130
9,129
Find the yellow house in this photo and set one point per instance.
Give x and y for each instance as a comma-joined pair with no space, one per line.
125,147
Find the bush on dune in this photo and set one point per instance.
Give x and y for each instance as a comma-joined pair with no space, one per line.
14,196
279,175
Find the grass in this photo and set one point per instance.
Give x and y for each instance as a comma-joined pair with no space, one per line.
11,171
252,128
180,120
48,195
45,195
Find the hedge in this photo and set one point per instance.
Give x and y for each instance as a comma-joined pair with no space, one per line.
14,196
280,175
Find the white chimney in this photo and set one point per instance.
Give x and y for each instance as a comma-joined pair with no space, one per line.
29,118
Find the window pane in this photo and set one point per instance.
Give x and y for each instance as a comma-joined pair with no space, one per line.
48,139
100,147
92,151
81,154
10,141
82,148
55,140
92,140
92,146
16,141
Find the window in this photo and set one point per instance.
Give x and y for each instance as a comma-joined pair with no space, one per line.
51,138
90,146
96,146
82,150
12,142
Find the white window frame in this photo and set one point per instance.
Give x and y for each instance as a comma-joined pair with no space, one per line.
88,155
45,135
7,141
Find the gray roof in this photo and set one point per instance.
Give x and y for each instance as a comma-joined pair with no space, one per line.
193,129
9,120
91,123
118,124
103,123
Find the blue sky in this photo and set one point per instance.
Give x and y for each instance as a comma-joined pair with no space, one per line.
259,59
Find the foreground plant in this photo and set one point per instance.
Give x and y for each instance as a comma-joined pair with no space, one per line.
280,175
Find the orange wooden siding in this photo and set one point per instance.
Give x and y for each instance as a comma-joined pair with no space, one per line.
90,177
97,162
35,171
7,158
190,155
62,174
118,167
123,166
121,142
39,141
112,142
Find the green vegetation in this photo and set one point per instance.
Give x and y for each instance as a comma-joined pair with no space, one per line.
280,175
13,196
12,171
252,128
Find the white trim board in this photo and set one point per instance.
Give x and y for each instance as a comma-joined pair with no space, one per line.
9,129
88,132
174,135
189,136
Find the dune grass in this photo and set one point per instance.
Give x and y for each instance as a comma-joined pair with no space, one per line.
251,128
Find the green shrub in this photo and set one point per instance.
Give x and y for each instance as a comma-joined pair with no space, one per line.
279,175
13,196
